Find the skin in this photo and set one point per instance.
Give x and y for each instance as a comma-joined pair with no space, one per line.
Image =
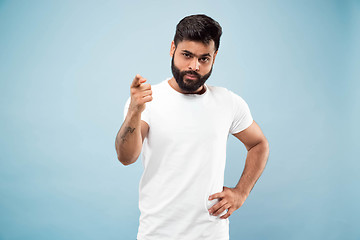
129,139
199,57
192,56
257,147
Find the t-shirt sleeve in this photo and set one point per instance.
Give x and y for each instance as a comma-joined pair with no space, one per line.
242,118
144,114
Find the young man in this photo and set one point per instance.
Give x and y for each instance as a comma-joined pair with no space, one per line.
182,130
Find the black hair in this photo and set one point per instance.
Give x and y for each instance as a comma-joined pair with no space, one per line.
198,28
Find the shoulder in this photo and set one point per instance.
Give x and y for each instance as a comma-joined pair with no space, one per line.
221,91
226,95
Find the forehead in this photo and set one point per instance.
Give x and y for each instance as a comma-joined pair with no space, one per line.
197,47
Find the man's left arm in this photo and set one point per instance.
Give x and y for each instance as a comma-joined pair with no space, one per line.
257,155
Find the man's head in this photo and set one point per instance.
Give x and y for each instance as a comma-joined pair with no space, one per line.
199,28
193,51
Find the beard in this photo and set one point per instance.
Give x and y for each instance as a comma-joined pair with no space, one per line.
186,84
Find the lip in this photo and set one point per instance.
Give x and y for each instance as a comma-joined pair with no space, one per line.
192,77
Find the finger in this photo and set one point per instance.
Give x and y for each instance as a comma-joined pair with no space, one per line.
222,209
148,98
145,86
138,80
139,95
216,195
228,214
216,207
146,93
145,99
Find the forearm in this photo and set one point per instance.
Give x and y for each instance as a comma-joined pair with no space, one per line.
254,165
128,142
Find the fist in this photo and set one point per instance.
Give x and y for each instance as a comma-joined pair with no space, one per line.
140,94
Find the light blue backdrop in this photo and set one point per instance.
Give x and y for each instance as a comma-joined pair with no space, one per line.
65,70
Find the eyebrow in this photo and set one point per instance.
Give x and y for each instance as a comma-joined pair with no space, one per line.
203,55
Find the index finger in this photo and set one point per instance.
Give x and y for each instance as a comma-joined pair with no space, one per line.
138,80
216,195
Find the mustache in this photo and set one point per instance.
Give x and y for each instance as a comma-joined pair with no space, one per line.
192,73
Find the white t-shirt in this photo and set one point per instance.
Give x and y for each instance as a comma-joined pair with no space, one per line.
184,159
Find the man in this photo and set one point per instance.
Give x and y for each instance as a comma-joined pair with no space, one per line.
182,126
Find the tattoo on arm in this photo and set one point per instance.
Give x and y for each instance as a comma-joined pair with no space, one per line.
127,130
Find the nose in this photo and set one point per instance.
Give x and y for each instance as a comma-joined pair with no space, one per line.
194,64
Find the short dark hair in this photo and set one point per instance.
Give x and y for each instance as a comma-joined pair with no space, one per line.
198,28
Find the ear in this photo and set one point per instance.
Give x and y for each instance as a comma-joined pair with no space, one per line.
215,56
172,49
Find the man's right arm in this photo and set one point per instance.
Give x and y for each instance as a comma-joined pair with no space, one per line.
129,139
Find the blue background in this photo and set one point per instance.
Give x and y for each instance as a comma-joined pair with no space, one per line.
65,71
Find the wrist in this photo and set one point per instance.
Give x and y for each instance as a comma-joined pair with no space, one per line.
134,112
241,192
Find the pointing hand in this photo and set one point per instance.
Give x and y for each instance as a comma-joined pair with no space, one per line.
140,94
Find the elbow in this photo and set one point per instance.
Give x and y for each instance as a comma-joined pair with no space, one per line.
123,162
265,148
262,148
126,161
124,158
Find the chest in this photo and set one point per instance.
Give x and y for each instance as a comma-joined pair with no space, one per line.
195,120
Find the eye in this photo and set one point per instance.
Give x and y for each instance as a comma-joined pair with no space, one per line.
204,59
186,55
